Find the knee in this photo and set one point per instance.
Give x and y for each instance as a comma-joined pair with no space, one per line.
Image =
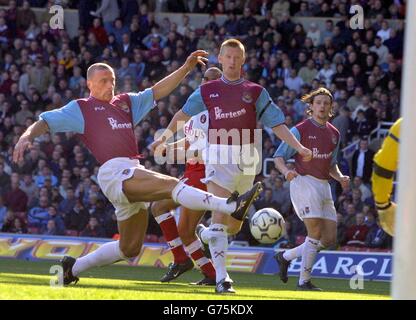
327,242
129,250
160,207
156,208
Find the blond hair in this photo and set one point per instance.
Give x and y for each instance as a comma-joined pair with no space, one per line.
308,99
232,43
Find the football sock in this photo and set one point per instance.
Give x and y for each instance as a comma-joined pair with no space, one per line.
169,229
309,252
199,200
106,254
293,253
218,245
197,254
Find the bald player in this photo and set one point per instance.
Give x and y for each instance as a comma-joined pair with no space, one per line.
105,124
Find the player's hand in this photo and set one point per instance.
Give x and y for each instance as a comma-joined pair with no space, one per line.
344,181
387,214
158,148
19,150
306,154
290,175
196,57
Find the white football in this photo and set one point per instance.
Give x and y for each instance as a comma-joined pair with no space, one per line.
267,225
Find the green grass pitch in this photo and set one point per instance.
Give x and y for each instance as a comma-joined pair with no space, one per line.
31,280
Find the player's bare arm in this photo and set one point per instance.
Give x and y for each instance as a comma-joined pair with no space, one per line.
284,134
336,174
165,86
175,151
35,130
280,164
176,124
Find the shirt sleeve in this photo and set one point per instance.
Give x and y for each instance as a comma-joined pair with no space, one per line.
65,119
285,151
141,103
194,104
267,111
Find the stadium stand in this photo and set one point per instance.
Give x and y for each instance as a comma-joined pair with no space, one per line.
292,47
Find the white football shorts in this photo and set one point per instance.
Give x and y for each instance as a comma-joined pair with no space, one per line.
311,197
110,179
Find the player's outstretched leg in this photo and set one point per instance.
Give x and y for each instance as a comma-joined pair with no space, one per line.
132,231
147,186
181,262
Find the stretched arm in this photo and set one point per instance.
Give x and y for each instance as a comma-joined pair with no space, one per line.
176,124
165,86
284,134
35,130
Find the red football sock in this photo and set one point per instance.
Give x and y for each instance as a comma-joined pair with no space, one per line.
206,266
170,231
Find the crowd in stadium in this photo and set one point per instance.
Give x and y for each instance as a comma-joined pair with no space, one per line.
54,190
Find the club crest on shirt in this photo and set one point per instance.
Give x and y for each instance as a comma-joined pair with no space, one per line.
124,106
334,139
247,98
203,118
126,171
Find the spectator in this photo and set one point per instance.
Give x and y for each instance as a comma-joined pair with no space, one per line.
57,219
362,161
279,8
51,229
281,196
267,201
93,229
40,76
38,215
77,218
380,49
109,11
28,187
357,183
294,82
314,34
25,17
15,227
356,234
16,200
308,73
326,73
376,237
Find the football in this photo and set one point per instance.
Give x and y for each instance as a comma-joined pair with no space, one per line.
267,225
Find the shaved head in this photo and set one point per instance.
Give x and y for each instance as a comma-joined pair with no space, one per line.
97,66
212,73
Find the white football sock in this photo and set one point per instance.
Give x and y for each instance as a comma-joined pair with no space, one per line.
310,250
218,245
106,254
293,253
199,200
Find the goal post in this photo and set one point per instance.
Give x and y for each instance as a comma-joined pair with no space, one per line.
404,250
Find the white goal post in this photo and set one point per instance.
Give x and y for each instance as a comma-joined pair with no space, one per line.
404,261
